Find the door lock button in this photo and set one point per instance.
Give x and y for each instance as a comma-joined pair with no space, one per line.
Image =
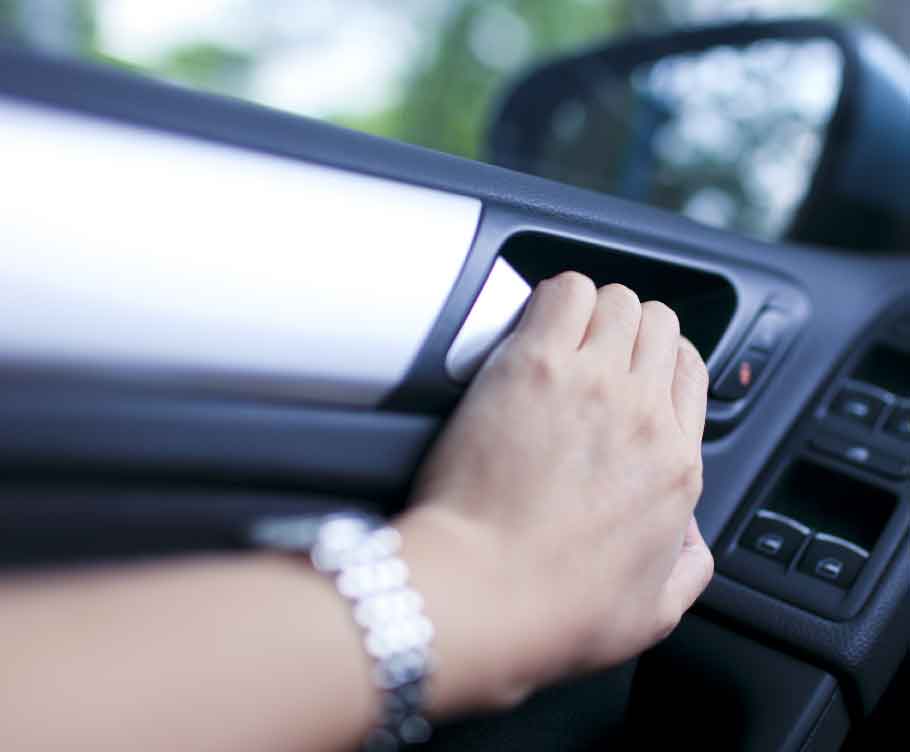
774,536
741,376
765,337
833,560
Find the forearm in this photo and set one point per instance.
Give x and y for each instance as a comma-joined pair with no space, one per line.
234,653
250,652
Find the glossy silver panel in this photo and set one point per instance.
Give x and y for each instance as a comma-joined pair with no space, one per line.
492,316
137,252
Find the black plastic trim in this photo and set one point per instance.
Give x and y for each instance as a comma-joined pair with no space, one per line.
732,693
847,629
84,518
64,428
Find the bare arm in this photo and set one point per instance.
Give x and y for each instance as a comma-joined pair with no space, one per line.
551,533
218,653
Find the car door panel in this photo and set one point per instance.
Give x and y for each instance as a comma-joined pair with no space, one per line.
269,433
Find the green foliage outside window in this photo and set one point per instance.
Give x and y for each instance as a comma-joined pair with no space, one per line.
443,99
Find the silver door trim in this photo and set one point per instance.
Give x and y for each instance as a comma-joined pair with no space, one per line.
491,318
133,251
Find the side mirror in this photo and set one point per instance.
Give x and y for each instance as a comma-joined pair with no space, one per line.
796,130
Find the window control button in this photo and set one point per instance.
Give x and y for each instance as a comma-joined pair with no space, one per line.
864,456
829,568
741,376
770,543
859,407
833,560
774,536
899,424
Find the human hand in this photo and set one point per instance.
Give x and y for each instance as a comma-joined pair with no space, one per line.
553,527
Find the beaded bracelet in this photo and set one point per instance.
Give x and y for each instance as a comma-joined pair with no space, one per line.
360,553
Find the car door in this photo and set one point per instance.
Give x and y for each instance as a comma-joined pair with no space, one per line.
295,342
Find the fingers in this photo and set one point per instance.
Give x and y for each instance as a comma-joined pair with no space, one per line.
657,347
693,571
568,312
559,311
690,390
614,325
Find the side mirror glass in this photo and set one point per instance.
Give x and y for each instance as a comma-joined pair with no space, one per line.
762,128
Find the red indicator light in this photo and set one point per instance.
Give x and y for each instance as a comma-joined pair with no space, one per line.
745,373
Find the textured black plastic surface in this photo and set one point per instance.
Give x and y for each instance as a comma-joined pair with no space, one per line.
718,690
868,625
577,716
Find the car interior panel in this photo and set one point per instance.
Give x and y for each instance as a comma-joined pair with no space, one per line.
804,631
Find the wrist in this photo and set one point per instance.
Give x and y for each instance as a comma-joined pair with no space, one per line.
457,565
358,553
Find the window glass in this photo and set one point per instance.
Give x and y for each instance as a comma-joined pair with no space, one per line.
428,72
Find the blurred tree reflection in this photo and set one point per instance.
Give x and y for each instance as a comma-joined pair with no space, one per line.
465,51
66,26
447,102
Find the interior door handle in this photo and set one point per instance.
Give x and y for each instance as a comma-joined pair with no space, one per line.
491,318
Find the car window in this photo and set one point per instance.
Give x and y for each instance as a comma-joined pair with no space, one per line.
427,72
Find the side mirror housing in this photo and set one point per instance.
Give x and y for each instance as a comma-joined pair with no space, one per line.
796,130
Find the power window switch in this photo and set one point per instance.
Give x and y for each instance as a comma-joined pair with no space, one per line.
858,407
833,560
829,568
862,455
774,536
771,544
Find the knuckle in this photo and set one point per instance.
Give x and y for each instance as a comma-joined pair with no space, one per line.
622,296
691,480
508,360
694,480
647,427
668,618
622,300
694,368
598,390
701,568
662,314
574,284
538,364
707,573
